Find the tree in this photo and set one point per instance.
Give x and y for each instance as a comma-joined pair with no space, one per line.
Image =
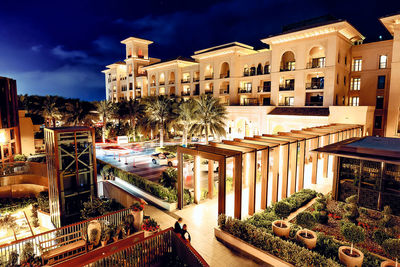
105,111
48,109
392,248
187,112
80,112
306,220
159,111
211,117
132,111
9,221
352,233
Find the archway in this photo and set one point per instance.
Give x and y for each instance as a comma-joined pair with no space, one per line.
288,61
316,57
172,77
224,73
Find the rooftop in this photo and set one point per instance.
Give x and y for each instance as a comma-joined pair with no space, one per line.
177,60
383,149
218,47
300,111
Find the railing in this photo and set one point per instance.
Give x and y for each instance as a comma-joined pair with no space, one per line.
138,88
264,89
114,217
187,93
287,67
208,92
171,82
286,88
249,102
224,75
314,86
134,251
316,64
21,167
187,80
246,73
224,91
314,103
244,90
209,77
196,79
161,83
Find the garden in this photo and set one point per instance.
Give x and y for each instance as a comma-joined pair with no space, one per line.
327,233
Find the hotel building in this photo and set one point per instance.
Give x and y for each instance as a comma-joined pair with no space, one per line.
306,77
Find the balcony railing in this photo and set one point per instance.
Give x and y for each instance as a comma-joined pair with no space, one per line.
187,93
171,82
224,75
286,88
244,90
249,102
314,103
196,79
264,89
209,77
224,91
315,65
314,86
141,74
208,92
287,67
187,80
22,168
161,83
138,88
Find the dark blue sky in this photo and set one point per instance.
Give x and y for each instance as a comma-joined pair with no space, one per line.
60,47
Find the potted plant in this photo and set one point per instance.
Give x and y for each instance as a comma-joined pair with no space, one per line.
137,212
92,238
129,224
150,227
280,227
94,225
307,221
114,232
351,256
105,236
351,208
392,249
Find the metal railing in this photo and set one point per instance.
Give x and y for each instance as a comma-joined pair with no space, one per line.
224,91
146,252
22,167
196,79
315,65
249,102
314,103
172,82
286,88
244,90
113,217
209,92
185,80
314,86
264,89
209,77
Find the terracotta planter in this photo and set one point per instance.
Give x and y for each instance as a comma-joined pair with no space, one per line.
115,238
389,264
310,241
138,219
90,247
350,261
279,229
103,243
94,225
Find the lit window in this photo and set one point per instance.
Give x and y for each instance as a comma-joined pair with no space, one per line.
357,64
383,62
354,101
289,101
355,84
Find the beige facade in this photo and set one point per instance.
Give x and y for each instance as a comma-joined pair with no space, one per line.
326,65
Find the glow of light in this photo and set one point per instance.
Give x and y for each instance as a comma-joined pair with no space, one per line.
3,137
197,180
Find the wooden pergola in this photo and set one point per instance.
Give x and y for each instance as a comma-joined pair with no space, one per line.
283,159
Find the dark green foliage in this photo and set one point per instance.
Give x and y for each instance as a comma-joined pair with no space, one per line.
392,248
285,250
321,213
20,157
386,220
43,201
351,209
380,236
12,259
169,178
27,254
9,205
97,207
282,209
352,233
35,220
305,219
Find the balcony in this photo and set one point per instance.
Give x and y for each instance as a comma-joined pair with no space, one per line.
224,75
289,66
224,91
187,93
171,82
197,79
314,86
314,103
286,88
244,90
249,102
246,73
161,83
209,77
186,80
141,74
208,92
138,88
316,65
264,89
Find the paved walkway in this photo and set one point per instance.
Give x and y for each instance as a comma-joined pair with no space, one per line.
201,220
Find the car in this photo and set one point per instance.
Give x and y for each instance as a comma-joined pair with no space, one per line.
164,159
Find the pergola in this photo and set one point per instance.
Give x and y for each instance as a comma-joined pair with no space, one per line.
283,158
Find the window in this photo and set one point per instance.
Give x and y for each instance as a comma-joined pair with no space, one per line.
289,101
266,101
354,101
381,82
130,86
357,64
379,102
383,62
344,80
355,84
337,79
378,122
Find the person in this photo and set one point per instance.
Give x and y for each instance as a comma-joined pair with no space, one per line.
178,226
185,234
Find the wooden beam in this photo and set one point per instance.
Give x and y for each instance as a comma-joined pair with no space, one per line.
264,178
237,162
275,175
210,179
302,157
314,156
293,166
325,157
252,181
222,186
180,179
285,170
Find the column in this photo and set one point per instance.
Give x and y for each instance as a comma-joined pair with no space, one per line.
237,174
302,157
325,157
180,180
196,179
252,181
222,186
285,170
264,178
314,157
210,179
293,166
275,174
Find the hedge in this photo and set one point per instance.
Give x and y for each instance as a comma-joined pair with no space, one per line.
285,250
168,194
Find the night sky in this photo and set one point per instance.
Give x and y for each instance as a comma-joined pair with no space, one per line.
61,47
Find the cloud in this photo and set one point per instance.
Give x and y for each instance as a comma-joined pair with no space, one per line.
106,44
36,48
60,52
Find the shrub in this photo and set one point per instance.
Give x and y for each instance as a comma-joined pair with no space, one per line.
352,233
27,253
306,220
282,209
43,201
169,177
96,207
351,209
380,236
137,206
35,220
20,157
12,259
150,225
392,248
386,220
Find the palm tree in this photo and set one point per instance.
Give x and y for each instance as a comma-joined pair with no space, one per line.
80,112
187,112
159,111
211,117
131,111
49,110
105,110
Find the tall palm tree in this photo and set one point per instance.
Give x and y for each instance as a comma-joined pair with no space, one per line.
211,117
159,111
48,109
187,113
135,111
105,110
80,112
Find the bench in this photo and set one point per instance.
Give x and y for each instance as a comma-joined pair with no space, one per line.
63,247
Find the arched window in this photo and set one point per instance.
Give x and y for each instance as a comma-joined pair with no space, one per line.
316,58
253,71
288,61
267,69
224,73
246,70
259,69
